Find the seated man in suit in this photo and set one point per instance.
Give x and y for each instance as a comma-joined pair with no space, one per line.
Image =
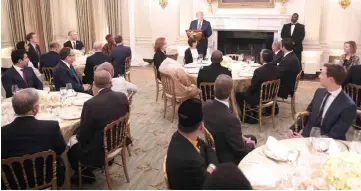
34,49
27,135
331,109
182,82
224,126
211,72
97,58
51,58
189,159
105,107
266,72
65,72
119,84
20,74
289,68
73,43
278,54
119,54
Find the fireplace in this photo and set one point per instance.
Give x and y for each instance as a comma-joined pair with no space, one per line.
248,43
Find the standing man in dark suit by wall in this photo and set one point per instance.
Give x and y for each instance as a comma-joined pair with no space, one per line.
278,53
119,54
296,32
20,74
205,26
51,58
73,43
34,49
97,58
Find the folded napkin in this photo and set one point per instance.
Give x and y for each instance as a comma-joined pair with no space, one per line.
260,175
276,148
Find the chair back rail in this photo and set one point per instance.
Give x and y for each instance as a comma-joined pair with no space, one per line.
168,84
209,138
115,135
23,180
301,116
354,91
233,56
49,76
165,172
269,91
207,91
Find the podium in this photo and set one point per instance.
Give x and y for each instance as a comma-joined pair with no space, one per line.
195,34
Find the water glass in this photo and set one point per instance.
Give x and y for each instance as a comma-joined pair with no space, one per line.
63,92
356,141
14,88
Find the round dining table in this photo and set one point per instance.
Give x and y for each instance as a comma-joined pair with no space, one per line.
265,173
67,114
242,73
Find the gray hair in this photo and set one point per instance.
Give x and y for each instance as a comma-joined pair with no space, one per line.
223,87
97,45
277,43
24,100
102,79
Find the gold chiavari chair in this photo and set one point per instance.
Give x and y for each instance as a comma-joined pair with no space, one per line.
354,91
301,116
209,138
128,62
293,97
20,177
165,172
158,83
130,98
49,76
169,93
268,97
115,135
233,56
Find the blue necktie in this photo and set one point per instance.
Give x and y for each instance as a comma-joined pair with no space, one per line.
74,73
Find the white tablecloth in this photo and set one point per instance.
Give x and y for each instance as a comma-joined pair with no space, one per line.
67,126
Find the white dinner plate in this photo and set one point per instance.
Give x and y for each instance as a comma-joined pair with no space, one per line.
69,115
80,101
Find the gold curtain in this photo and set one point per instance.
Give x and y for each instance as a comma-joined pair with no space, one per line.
46,22
16,20
85,23
113,12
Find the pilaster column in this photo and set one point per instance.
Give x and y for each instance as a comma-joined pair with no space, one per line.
131,24
313,15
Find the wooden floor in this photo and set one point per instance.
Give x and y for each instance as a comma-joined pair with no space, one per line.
152,133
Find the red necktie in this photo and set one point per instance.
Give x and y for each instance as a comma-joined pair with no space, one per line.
24,77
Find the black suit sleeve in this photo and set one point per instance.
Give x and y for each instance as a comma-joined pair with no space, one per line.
208,31
37,83
81,44
7,82
302,35
256,80
234,138
283,32
67,44
58,140
211,157
200,77
86,121
195,172
188,58
88,71
342,125
190,26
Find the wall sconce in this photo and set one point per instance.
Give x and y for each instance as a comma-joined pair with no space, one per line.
163,3
345,3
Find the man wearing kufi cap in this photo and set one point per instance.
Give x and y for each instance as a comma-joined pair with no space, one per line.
189,159
182,82
107,48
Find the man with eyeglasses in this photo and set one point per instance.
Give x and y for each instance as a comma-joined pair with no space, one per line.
65,72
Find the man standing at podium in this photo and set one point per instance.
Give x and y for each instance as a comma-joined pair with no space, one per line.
205,26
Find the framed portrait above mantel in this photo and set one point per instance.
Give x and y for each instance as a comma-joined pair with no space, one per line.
246,3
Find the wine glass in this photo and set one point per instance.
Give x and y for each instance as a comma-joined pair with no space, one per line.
63,92
69,89
14,88
314,134
356,141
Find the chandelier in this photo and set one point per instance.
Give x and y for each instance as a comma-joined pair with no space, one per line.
345,3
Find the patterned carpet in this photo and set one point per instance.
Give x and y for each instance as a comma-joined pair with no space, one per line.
152,134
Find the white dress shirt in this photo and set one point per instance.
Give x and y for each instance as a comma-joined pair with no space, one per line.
18,69
122,85
293,27
194,53
330,99
200,22
224,102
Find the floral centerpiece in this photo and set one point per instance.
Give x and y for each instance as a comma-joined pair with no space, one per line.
78,53
227,61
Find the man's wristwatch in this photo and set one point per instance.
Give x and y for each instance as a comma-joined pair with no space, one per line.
212,166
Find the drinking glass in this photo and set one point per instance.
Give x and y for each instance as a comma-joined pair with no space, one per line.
314,134
356,141
69,89
63,92
14,88
241,57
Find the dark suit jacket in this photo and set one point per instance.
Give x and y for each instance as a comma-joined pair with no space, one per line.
338,117
158,58
95,59
78,44
211,72
97,113
12,77
297,36
188,57
226,131
64,75
33,55
186,167
119,54
27,135
277,57
289,68
262,74
354,75
49,59
207,31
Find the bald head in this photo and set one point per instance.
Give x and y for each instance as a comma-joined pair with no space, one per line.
223,87
97,46
106,66
217,56
25,101
55,46
102,79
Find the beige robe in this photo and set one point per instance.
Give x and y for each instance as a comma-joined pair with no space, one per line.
182,81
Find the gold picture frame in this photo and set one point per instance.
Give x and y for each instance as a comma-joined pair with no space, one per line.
246,4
